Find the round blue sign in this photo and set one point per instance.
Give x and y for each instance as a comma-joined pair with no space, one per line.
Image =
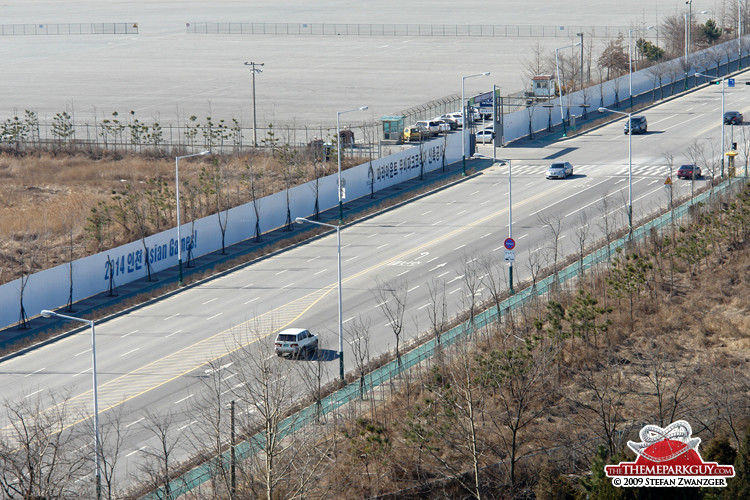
510,244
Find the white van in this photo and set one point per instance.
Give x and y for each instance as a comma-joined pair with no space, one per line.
430,125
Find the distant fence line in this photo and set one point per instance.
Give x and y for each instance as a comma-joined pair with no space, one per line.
69,29
456,30
25,133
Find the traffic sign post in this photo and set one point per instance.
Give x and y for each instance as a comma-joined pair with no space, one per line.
510,256
510,243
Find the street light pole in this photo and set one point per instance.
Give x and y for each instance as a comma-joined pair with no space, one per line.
177,194
302,220
463,120
97,443
338,157
253,71
630,61
559,86
739,35
721,82
630,166
510,222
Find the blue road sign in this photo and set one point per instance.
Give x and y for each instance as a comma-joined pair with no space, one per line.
730,82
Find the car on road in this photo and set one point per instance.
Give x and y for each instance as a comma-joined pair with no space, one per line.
446,125
416,134
559,170
485,136
639,125
295,341
688,171
732,118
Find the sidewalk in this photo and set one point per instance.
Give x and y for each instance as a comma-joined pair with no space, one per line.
43,331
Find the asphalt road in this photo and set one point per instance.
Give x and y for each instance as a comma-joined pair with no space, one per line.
151,358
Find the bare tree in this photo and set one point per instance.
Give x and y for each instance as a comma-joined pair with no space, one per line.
472,287
38,456
552,224
159,462
253,179
391,297
494,278
582,230
437,310
112,437
358,336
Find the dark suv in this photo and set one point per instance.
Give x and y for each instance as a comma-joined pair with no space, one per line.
732,118
689,172
639,126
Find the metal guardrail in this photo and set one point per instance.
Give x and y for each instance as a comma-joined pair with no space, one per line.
428,30
378,377
69,29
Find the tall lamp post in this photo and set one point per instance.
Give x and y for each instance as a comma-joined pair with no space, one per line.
338,157
177,192
559,86
688,25
510,221
739,35
302,220
253,71
97,443
630,166
463,119
630,59
721,82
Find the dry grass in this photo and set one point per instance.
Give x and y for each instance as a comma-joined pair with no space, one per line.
47,198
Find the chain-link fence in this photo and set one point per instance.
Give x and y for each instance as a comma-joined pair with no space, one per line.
69,29
418,30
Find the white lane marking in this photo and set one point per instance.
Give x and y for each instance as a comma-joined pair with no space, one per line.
459,247
485,202
131,333
437,223
352,258
372,235
347,320
209,301
482,237
173,333
188,424
454,279
235,386
378,305
382,246
248,286
287,285
35,392
282,272
228,377
472,260
84,371
523,236
454,291
402,222
573,195
427,212
434,258
401,274
83,352
496,249
321,271
133,423
438,266
407,235
422,307
183,399
441,275
172,316
136,451
316,257
475,192
129,352
222,367
461,212
32,373
214,316
412,289
251,300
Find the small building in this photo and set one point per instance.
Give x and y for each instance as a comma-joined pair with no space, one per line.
543,86
393,127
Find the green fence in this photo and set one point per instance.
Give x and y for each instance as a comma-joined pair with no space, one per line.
380,376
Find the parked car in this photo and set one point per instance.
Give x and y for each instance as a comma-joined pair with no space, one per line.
732,118
415,134
688,171
430,125
446,124
457,117
294,342
559,170
485,136
639,125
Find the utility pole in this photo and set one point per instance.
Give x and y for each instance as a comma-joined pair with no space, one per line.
254,70
581,35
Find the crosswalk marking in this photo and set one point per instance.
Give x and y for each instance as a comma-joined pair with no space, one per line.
590,169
